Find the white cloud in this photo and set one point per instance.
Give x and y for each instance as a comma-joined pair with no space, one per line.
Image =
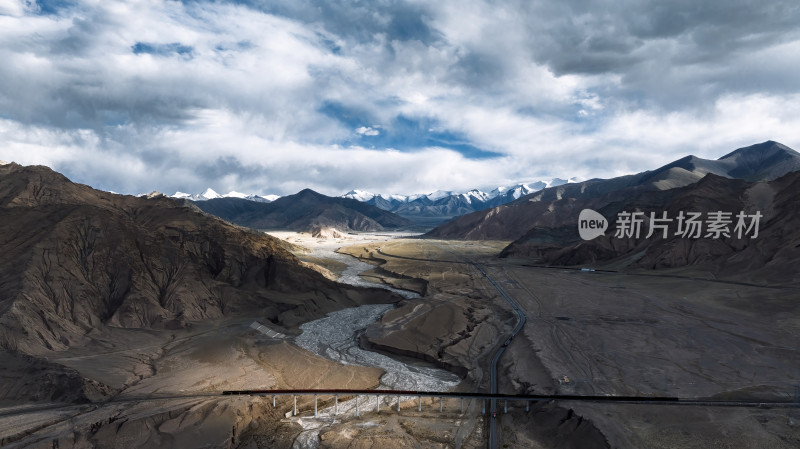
250,102
367,131
16,8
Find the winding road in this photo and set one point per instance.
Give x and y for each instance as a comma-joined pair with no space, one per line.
521,319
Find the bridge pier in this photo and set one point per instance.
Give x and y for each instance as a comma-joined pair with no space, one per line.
490,403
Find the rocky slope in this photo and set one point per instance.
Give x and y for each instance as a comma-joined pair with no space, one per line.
302,212
77,260
556,206
767,258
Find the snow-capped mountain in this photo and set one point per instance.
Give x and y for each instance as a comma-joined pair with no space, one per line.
439,194
262,199
476,195
520,190
210,194
359,195
441,204
207,195
445,204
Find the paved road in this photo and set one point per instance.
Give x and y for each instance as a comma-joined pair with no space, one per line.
521,319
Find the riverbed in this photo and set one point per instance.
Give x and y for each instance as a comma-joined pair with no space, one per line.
335,337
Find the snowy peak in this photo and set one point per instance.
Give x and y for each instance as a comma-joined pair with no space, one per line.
476,194
471,196
263,199
439,194
401,198
359,195
446,203
210,194
233,194
518,190
207,195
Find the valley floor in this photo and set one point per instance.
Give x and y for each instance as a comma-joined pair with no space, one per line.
596,333
587,333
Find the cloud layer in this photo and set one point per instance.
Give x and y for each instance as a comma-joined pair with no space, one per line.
388,96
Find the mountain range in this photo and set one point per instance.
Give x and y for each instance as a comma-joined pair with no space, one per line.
768,254
443,205
544,225
306,210
210,194
355,211
78,262
435,207
761,162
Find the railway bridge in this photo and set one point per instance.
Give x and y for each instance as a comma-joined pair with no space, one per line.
397,397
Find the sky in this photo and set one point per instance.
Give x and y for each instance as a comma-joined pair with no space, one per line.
270,97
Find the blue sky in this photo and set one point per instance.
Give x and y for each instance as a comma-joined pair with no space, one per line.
388,96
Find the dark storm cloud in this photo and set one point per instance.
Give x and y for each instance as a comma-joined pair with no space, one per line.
479,70
253,178
699,48
613,30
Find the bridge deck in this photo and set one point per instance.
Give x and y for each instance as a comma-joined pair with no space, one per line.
662,400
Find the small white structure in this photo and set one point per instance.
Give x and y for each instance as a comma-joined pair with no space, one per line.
266,331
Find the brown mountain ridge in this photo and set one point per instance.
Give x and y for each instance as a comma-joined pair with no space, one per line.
544,226
769,258
304,211
76,260
547,208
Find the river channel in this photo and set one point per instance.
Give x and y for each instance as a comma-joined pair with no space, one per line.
335,337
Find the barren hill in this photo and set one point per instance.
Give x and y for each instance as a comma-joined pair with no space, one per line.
770,257
76,260
552,207
303,211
